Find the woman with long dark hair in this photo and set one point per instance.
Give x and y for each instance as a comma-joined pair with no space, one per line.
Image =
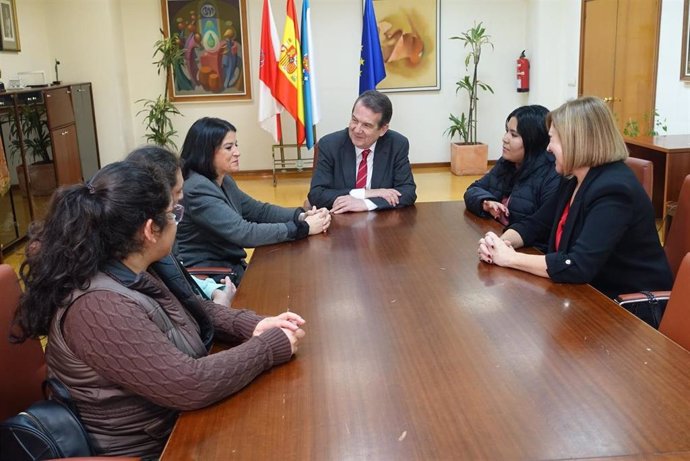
221,219
524,178
130,352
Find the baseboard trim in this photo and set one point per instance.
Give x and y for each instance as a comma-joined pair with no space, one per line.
306,171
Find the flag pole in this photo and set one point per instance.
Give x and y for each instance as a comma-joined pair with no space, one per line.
299,147
315,154
279,126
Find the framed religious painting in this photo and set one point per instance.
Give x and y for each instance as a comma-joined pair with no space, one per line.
214,40
9,30
409,32
685,55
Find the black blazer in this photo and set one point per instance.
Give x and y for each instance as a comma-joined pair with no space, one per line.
529,188
335,170
609,239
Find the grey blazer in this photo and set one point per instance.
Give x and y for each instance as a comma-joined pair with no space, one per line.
219,222
335,169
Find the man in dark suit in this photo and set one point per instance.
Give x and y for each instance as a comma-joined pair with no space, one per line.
366,166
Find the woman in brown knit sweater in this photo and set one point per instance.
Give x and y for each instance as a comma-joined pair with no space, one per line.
130,352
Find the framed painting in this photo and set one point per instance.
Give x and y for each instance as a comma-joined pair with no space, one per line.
214,40
685,55
409,33
9,31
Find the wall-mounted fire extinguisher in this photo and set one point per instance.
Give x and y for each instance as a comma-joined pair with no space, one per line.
522,73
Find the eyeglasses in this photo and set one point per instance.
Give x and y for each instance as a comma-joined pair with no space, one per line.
176,214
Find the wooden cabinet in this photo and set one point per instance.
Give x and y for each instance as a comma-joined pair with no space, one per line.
58,104
49,139
63,135
671,158
66,155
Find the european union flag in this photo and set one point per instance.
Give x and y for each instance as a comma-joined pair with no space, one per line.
371,69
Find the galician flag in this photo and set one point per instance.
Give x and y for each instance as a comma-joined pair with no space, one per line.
269,108
311,102
371,68
289,89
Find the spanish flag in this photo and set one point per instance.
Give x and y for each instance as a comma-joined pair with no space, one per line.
290,79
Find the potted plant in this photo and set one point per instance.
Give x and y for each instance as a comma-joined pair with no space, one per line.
469,156
159,127
36,142
655,123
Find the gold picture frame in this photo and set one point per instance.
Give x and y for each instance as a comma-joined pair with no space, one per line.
685,55
410,36
9,28
214,37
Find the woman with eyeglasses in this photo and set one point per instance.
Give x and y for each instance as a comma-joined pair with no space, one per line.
130,352
221,220
169,166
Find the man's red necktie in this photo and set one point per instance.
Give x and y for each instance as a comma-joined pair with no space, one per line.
361,182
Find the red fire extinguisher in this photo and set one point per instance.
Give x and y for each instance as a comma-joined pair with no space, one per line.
522,73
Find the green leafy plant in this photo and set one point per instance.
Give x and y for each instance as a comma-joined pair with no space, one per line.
159,126
466,125
35,133
656,125
659,126
171,55
631,128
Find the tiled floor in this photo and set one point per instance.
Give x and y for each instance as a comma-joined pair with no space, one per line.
433,185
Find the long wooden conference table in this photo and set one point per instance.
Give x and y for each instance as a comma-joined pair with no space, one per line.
416,350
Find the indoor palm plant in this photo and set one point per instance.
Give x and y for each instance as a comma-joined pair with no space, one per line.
35,143
470,156
159,126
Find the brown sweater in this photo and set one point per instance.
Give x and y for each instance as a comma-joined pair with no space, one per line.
129,380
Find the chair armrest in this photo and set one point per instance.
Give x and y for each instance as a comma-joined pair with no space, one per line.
97,458
640,297
202,272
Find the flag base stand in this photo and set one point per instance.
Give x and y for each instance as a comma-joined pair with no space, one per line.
287,163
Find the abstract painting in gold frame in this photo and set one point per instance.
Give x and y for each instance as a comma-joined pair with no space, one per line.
409,33
214,38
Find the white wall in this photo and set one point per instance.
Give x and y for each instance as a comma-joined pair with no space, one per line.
34,39
553,49
110,43
422,116
91,50
672,94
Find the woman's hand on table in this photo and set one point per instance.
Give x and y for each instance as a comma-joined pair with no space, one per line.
493,250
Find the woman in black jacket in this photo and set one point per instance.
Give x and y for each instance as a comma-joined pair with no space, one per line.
600,224
524,178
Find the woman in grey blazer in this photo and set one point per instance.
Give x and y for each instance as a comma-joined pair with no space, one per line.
221,220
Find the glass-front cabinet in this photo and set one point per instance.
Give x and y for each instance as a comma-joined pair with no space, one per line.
41,149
